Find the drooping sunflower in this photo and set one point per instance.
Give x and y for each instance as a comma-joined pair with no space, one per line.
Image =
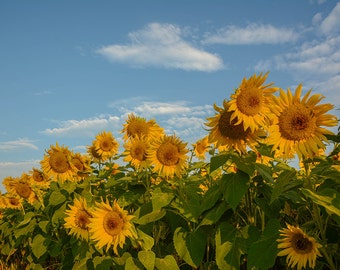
93,153
201,147
78,219
82,163
106,145
139,126
168,155
12,201
299,248
57,163
38,178
250,103
20,186
297,127
110,226
226,134
136,152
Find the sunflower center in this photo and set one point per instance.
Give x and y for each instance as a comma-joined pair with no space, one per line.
168,154
137,128
228,129
297,123
82,219
38,176
23,190
14,201
138,152
58,162
302,244
106,145
250,101
113,223
78,164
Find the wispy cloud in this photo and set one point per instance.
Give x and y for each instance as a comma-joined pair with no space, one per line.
251,34
42,93
331,24
18,144
162,45
84,127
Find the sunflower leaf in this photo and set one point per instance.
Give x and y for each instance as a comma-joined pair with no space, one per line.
38,247
168,263
217,161
147,258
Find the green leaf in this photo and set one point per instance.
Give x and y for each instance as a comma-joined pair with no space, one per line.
234,186
133,264
214,214
210,198
168,263
217,161
27,218
327,197
145,240
102,262
26,229
160,199
190,246
56,198
38,247
283,179
262,253
265,172
150,217
147,258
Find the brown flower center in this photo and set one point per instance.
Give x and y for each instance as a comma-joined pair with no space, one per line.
168,154
38,176
138,152
113,223
107,144
137,128
302,244
249,101
297,123
59,162
228,129
82,219
23,190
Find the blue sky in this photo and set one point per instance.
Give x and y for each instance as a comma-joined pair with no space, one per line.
70,69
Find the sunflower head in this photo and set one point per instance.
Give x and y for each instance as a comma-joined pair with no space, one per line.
168,155
110,226
251,102
78,219
57,163
299,248
136,152
82,163
298,124
106,145
38,178
139,126
201,147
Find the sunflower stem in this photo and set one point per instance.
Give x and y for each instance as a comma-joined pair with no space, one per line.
328,259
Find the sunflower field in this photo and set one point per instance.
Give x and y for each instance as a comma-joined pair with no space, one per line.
260,191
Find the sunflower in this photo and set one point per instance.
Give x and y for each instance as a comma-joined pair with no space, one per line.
251,101
168,155
201,147
138,126
93,153
136,152
298,247
82,163
110,226
12,201
226,134
20,186
106,145
57,163
38,178
9,183
78,219
297,125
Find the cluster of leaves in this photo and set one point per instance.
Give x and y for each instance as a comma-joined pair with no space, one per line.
222,214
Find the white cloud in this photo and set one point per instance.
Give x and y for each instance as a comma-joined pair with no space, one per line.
331,24
18,144
251,34
162,45
85,127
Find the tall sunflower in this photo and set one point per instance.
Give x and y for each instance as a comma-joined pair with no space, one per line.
82,163
136,152
227,134
57,163
168,155
38,178
110,226
106,145
299,248
297,127
250,103
201,147
139,126
78,219
93,153
20,186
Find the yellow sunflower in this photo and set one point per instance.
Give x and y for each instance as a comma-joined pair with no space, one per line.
93,153
38,178
138,126
250,103
9,183
201,147
12,201
299,248
226,134
110,226
20,186
57,163
78,218
136,152
106,145
297,125
168,155
82,163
